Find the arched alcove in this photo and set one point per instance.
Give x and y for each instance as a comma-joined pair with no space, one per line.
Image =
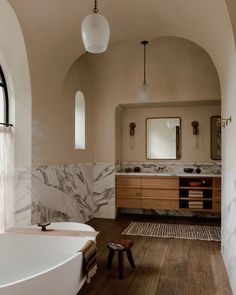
79,121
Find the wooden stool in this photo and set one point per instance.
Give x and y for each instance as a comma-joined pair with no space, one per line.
120,246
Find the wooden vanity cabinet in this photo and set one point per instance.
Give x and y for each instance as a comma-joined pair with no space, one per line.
169,193
160,193
128,191
147,192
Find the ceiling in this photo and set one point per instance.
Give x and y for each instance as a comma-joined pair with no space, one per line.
51,28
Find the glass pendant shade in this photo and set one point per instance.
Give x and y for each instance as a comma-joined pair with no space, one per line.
95,33
144,92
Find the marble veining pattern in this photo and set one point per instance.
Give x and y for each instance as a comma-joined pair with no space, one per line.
104,189
169,213
170,167
75,192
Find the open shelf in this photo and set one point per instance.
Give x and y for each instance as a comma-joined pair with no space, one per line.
195,193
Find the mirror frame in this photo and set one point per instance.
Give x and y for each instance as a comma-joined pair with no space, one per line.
211,127
178,139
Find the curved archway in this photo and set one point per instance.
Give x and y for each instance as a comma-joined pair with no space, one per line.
19,91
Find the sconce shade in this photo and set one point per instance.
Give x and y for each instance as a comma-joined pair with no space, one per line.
95,33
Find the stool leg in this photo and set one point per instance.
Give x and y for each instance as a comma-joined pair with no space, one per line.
110,257
130,258
120,264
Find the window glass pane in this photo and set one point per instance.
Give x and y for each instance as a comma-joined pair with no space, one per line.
79,121
1,105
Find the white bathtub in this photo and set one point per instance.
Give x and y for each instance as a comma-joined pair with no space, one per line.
42,265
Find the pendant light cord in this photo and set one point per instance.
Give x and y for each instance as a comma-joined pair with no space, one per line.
95,9
144,43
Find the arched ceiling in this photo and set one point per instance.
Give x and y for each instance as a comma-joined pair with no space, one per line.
231,4
52,27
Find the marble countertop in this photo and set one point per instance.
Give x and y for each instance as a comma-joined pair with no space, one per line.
167,174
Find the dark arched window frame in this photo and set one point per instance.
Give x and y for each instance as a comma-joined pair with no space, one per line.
3,84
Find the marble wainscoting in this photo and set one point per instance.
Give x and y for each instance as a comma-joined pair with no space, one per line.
22,196
75,192
104,189
229,225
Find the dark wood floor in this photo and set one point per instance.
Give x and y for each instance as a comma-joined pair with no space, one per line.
163,266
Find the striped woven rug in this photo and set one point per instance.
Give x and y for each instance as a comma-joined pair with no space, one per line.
179,231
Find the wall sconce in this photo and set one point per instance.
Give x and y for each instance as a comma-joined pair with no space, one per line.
195,125
223,122
132,126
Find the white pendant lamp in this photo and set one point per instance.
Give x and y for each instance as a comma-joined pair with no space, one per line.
95,31
144,91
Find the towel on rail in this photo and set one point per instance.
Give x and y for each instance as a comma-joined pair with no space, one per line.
89,259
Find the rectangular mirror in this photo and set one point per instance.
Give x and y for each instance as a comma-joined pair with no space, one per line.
163,138
215,138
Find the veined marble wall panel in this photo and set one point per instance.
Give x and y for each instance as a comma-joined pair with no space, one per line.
104,189
75,192
229,225
62,193
22,196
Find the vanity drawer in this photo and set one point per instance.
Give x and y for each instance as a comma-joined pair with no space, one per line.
128,202
152,203
158,182
128,191
160,193
131,181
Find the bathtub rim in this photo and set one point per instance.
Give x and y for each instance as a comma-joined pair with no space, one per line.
47,270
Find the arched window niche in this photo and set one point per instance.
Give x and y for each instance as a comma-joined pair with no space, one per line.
79,121
4,104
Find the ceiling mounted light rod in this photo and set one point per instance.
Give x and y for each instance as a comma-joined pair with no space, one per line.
144,91
95,31
144,43
95,9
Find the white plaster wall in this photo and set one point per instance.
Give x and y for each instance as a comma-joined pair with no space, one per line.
13,58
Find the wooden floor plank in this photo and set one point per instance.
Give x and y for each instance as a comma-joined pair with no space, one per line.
148,272
200,276
174,273
163,266
219,273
